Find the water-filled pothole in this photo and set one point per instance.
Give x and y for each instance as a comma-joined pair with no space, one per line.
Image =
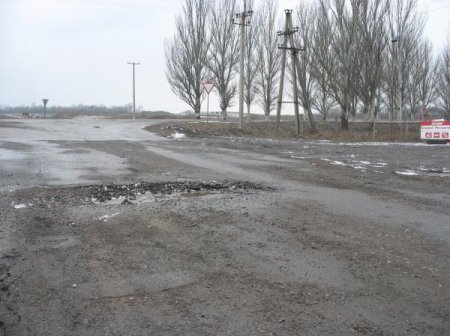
141,192
414,170
128,193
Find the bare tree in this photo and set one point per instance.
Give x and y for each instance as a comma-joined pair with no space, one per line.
442,78
323,100
420,78
186,53
406,27
251,60
426,92
372,45
223,52
269,65
305,19
343,20
322,34
411,84
389,85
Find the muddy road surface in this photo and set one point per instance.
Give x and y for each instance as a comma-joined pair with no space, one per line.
108,229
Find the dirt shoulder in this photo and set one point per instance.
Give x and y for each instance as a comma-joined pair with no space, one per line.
358,131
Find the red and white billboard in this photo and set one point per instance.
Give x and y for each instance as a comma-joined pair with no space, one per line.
435,130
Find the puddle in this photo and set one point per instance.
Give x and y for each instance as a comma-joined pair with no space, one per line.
154,192
424,171
148,197
115,194
362,165
178,136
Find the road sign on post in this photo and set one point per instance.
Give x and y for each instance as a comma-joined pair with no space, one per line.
45,101
208,85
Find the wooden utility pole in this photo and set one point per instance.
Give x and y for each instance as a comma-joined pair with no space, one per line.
287,34
134,87
242,23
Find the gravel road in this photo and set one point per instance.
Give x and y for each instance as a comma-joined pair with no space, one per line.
108,229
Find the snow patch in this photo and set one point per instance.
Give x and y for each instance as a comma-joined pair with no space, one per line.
407,172
338,163
178,136
105,218
19,206
362,144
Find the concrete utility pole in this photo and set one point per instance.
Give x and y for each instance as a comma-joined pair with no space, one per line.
299,118
134,87
283,48
45,101
288,34
298,124
242,23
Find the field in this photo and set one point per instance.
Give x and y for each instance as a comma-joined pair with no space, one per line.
108,228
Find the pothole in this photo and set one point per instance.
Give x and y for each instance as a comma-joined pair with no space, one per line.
142,192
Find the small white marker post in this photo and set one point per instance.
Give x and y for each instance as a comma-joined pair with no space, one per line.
208,85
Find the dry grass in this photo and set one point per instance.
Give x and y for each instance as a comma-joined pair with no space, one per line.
358,131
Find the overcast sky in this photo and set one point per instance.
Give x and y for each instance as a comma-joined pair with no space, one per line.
76,51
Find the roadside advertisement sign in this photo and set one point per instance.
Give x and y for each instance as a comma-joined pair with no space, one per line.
435,130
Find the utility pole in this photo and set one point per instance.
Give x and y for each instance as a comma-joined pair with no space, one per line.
298,124
288,35
283,48
242,23
134,87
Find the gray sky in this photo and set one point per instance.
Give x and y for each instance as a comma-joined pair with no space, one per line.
76,51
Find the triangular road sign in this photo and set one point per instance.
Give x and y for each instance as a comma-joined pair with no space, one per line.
208,85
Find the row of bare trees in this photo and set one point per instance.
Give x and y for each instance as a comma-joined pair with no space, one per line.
360,56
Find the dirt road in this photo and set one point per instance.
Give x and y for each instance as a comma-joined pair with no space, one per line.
107,229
